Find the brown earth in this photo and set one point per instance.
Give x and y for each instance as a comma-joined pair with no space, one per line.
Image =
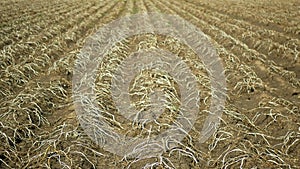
258,42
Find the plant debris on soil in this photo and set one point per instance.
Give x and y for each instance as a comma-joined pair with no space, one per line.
257,41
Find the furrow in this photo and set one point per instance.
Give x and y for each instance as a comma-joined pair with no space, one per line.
21,30
253,39
18,75
239,48
248,16
48,93
45,33
20,12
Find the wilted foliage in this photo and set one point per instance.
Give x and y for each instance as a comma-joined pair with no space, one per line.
258,43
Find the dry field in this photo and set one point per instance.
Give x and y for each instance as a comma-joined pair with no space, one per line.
258,42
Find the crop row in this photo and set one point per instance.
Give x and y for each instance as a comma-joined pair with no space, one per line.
271,50
42,33
20,31
11,23
140,5
38,123
249,33
238,47
61,24
281,17
18,23
233,63
52,63
128,9
238,71
261,17
10,7
15,15
19,73
42,95
248,83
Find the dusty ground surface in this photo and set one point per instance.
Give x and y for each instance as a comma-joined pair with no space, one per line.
258,42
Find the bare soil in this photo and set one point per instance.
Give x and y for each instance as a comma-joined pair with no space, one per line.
258,42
